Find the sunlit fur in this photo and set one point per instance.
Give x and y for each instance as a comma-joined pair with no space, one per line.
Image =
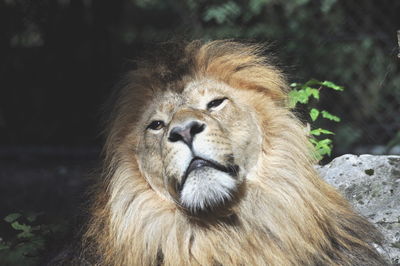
284,215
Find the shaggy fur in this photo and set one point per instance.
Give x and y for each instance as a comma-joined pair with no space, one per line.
283,215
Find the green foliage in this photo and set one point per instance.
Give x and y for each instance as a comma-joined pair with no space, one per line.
12,217
25,238
327,115
303,94
319,131
223,13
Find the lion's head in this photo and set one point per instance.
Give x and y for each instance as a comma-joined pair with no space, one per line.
198,146
199,134
205,133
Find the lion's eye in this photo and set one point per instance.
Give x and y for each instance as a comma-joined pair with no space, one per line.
156,125
215,103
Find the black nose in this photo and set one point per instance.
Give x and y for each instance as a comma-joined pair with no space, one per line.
186,132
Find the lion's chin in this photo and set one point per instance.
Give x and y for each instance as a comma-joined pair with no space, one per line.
207,188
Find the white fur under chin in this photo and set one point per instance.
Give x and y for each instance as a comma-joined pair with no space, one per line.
206,188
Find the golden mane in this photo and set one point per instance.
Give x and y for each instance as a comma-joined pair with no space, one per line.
286,216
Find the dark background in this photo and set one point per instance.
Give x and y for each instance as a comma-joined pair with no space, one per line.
59,60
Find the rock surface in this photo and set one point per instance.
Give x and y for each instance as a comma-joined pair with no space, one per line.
372,185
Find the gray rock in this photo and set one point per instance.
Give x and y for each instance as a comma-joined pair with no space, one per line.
372,185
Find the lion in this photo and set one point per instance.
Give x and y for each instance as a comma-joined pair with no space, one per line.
205,164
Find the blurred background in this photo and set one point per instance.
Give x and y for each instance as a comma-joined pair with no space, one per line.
59,60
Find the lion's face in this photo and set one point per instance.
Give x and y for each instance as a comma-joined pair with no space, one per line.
198,146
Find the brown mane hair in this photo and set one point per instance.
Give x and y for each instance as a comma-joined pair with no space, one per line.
287,216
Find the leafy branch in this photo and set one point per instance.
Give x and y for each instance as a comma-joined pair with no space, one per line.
27,239
303,94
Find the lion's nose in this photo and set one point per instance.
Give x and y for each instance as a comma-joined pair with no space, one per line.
186,132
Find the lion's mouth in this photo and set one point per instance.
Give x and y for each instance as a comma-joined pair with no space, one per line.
198,162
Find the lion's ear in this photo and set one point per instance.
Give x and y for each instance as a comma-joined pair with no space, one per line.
241,66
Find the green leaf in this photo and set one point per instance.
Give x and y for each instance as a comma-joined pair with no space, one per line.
325,151
21,227
302,96
325,142
26,230
324,147
315,93
328,84
12,217
25,234
292,98
309,91
322,143
314,113
327,115
332,85
297,96
319,131
312,82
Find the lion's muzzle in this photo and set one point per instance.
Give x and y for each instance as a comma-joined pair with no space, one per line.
200,166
